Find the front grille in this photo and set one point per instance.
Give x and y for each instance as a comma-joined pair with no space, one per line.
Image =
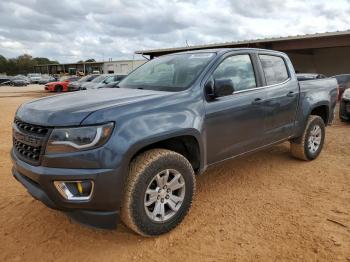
29,141
32,153
35,129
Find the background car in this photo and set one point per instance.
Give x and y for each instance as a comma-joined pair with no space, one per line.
102,81
19,80
343,83
5,80
73,86
34,78
62,85
46,79
309,76
344,110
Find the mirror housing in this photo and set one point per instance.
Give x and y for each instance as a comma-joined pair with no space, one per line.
219,87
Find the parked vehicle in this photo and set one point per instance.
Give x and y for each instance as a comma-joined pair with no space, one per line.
5,80
309,76
62,85
344,110
34,78
115,84
102,81
76,85
343,82
19,80
47,79
134,151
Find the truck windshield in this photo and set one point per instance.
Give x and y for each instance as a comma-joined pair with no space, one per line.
171,73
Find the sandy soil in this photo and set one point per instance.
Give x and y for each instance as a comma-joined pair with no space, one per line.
264,207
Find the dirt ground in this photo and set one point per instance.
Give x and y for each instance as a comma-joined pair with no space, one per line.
263,207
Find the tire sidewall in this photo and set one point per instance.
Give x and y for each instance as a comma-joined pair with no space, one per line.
145,224
317,121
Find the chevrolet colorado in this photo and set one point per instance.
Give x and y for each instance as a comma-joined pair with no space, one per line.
133,152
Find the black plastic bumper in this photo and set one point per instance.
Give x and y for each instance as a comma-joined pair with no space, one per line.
99,219
101,212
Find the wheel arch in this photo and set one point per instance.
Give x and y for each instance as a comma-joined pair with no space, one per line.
186,143
321,110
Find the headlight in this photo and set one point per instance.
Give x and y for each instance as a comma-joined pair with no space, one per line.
63,140
346,94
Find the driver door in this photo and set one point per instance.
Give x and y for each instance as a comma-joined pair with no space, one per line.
234,123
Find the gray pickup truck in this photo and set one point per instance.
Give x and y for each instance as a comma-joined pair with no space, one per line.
133,152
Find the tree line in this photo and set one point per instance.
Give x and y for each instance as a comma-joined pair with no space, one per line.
22,64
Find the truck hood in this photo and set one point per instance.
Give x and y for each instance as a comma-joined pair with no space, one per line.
72,108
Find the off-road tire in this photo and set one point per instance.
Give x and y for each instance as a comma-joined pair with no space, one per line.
299,146
142,170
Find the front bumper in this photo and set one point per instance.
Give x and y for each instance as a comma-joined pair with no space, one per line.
344,109
101,211
49,88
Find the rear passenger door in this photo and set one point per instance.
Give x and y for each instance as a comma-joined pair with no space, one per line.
281,102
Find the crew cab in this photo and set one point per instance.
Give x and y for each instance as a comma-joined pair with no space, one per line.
133,152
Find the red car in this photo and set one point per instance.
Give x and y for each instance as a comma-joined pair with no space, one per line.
62,85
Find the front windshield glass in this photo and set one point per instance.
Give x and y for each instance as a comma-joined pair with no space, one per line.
168,73
84,78
99,79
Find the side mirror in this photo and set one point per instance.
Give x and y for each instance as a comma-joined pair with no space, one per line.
219,87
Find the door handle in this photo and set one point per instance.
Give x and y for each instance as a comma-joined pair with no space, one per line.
291,94
257,101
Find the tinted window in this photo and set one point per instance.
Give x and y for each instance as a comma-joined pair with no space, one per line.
275,69
239,69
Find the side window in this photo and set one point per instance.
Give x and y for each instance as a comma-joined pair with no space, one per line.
239,69
275,69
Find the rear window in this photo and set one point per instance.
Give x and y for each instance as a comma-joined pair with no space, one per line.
275,69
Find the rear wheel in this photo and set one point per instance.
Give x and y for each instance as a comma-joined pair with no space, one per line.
159,192
58,88
310,144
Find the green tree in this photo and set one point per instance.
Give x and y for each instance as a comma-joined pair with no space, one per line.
23,64
3,64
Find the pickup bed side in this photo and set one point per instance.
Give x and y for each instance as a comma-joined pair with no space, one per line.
317,97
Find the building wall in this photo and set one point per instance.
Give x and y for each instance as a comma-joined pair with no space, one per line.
332,61
327,61
121,67
303,63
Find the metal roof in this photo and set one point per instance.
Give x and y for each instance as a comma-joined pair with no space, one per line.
244,42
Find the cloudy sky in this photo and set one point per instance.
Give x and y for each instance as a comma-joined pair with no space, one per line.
72,30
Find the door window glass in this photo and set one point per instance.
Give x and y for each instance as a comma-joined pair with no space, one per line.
239,69
275,69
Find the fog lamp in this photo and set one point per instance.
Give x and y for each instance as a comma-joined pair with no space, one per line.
75,190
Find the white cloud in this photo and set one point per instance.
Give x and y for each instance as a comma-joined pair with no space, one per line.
74,30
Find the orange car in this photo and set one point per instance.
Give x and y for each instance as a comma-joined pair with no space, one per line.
62,85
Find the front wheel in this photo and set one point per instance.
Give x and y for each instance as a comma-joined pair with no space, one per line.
58,88
310,144
159,192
